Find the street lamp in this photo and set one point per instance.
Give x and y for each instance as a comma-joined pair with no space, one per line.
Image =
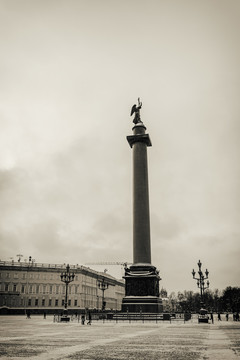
26,300
66,277
201,280
103,286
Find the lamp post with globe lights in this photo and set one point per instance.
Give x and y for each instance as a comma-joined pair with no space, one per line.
201,280
66,277
26,299
103,286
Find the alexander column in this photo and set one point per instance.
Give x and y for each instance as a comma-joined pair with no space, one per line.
142,278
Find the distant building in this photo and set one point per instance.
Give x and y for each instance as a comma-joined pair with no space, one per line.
38,287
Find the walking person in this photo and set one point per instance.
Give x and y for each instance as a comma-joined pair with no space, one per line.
89,318
211,317
227,316
219,316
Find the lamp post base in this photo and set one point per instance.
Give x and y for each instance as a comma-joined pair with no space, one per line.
65,318
203,316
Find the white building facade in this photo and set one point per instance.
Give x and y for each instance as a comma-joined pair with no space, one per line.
38,287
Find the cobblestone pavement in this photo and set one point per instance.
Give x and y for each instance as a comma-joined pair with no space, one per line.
39,338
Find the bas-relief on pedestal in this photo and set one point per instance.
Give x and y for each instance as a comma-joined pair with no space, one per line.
142,278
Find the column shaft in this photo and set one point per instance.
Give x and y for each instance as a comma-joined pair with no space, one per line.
141,218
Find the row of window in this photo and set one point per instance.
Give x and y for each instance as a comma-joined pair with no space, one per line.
89,290
32,275
56,302
35,302
16,301
46,289
36,289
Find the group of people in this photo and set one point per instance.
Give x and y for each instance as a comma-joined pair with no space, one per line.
78,316
235,316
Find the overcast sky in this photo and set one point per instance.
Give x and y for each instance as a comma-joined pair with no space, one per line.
70,71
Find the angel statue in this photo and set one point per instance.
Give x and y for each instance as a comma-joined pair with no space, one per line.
136,110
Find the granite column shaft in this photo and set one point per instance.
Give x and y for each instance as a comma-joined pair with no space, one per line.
141,218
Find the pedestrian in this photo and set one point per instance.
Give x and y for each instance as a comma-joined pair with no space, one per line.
89,318
227,316
83,319
211,317
237,316
219,317
44,314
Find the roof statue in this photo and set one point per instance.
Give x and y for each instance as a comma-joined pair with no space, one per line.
136,110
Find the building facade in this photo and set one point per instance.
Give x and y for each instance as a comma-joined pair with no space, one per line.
38,287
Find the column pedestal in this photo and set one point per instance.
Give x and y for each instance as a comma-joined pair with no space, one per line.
142,289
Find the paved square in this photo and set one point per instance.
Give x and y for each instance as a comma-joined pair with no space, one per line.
39,338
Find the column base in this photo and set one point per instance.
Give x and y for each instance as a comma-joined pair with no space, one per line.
142,289
142,304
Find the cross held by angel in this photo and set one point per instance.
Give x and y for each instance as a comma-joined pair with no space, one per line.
136,110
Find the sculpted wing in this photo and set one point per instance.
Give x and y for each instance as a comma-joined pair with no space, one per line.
133,109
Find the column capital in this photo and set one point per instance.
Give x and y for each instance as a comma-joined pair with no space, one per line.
132,139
